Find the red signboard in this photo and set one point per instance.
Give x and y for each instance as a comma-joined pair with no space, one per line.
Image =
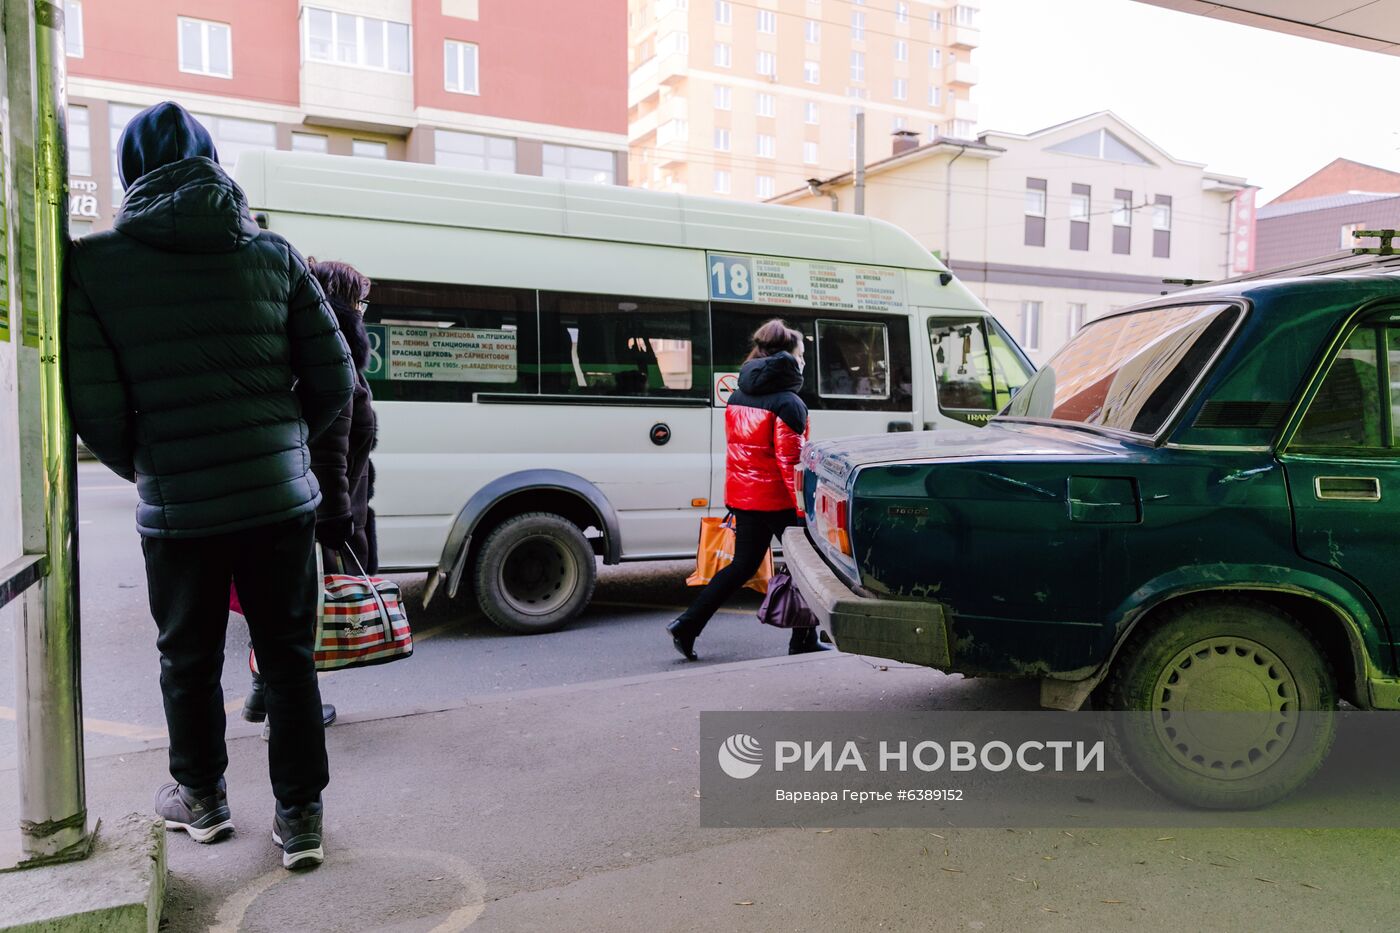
1242,232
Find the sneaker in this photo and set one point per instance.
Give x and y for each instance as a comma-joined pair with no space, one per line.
327,717
297,831
206,818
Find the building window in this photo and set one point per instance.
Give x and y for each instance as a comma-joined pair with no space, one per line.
812,72
721,139
73,28
575,163
473,151
813,112
965,15
232,136
767,21
724,12
764,145
901,50
810,152
1348,241
935,58
1162,227
311,142
900,123
461,67
118,116
722,182
962,129
1035,211
724,55
814,31
724,97
1078,313
857,66
935,20
79,141
1079,217
857,26
763,186
369,149
673,43
767,105
935,97
1122,221
358,41
901,89
901,12
1030,325
767,64
206,48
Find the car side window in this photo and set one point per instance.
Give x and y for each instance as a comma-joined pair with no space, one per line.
1347,410
622,346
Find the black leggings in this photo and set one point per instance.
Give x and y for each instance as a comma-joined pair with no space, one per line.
753,534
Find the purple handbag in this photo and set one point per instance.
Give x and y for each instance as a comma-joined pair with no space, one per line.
783,607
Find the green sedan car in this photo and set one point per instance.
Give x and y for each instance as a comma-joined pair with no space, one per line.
1193,506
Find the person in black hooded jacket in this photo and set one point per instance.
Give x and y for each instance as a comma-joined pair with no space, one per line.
340,459
200,357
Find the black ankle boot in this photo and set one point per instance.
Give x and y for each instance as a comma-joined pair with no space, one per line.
255,706
805,641
684,642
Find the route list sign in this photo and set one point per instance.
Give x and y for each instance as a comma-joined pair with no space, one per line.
835,286
441,354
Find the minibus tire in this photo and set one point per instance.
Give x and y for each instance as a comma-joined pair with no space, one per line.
1232,650
534,573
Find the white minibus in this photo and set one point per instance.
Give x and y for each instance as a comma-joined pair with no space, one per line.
552,358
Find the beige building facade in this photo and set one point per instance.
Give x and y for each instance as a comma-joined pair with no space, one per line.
1054,228
747,99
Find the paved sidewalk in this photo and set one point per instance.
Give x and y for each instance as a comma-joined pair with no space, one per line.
575,808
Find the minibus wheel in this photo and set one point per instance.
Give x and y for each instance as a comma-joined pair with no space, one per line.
1222,702
534,573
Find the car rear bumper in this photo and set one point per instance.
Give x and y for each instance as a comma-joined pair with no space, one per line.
915,632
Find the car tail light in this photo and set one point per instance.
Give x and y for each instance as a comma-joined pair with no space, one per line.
833,519
799,488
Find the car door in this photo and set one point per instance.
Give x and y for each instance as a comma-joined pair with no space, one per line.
976,368
1343,463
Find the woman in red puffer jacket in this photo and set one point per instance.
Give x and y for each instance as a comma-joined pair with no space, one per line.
765,426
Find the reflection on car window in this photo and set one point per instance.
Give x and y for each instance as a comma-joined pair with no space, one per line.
975,370
1346,412
852,360
1128,372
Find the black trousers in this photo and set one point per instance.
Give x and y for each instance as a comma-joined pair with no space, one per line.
753,535
274,568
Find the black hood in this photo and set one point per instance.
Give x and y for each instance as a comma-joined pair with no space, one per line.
190,206
352,326
770,374
158,136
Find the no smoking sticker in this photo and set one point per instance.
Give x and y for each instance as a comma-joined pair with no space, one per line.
725,385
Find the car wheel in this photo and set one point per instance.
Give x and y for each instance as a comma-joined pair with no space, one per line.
1214,689
534,573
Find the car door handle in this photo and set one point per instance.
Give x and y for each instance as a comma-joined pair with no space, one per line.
1351,488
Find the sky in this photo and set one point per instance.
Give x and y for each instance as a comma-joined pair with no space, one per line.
1244,101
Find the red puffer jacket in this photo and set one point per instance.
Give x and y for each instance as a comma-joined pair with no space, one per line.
765,424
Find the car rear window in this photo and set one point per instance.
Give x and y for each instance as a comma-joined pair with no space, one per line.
1128,372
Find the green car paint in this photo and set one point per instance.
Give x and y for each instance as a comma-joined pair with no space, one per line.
1044,541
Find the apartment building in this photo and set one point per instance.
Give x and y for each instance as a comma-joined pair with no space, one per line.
747,98
1317,216
1057,227
528,86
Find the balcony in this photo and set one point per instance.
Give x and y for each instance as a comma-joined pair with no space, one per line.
965,109
644,125
965,37
647,78
965,73
365,99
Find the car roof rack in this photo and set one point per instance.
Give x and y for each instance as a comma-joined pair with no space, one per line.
1384,258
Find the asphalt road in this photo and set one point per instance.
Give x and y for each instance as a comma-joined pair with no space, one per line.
459,653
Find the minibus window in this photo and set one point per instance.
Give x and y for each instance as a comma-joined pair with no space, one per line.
445,343
852,359
623,347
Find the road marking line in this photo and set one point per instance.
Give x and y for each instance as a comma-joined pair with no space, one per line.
103,727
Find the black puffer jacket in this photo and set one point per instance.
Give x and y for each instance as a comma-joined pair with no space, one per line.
340,456
200,354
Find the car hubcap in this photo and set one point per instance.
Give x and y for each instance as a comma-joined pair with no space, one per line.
1226,707
538,575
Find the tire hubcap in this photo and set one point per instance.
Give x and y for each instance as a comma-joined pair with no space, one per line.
1226,707
538,575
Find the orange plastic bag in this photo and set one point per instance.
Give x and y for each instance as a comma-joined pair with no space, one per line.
716,551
